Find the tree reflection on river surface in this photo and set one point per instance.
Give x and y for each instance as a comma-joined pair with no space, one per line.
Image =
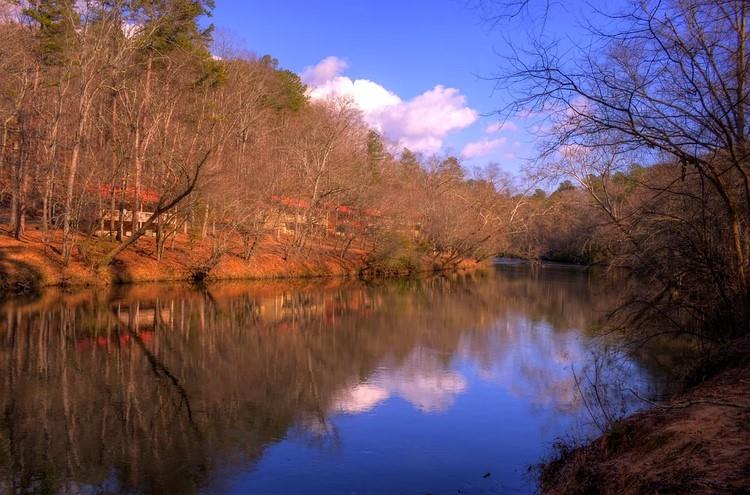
412,387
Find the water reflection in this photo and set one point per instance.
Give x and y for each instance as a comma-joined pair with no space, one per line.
421,379
303,387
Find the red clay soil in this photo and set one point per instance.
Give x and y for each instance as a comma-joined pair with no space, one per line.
698,443
31,263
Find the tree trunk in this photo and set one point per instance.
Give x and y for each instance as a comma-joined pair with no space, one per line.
14,197
139,147
158,212
21,198
204,229
70,190
159,240
19,192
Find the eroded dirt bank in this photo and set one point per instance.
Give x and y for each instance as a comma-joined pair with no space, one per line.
698,442
31,263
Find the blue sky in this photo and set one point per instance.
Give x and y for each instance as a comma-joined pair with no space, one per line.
399,50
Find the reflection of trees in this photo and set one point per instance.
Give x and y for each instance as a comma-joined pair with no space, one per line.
152,389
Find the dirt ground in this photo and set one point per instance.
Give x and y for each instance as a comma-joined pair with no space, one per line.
697,443
32,263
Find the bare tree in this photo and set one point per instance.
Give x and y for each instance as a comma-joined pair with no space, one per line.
661,82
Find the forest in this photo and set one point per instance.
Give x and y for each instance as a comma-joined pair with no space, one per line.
139,145
129,110
126,127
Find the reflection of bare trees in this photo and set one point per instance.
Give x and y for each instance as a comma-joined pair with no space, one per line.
152,389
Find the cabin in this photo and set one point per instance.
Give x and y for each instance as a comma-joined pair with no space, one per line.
331,220
110,218
110,221
291,214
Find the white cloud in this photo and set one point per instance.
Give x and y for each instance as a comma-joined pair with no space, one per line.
482,147
368,96
420,380
496,127
420,124
430,390
361,398
324,71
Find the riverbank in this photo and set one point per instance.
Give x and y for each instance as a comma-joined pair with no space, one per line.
698,442
30,264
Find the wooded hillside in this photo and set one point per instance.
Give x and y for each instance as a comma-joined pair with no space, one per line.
122,125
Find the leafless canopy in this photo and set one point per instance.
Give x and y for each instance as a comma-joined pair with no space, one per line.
662,84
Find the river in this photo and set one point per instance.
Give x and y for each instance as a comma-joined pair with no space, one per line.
443,385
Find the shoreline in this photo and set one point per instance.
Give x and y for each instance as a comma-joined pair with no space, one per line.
696,442
30,265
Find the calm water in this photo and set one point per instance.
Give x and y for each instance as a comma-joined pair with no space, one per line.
433,386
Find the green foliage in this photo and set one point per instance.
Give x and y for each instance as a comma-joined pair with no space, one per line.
292,91
212,73
287,92
565,186
57,20
409,161
375,147
173,24
375,155
451,167
395,254
269,62
539,194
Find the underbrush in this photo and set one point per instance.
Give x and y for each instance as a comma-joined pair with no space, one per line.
396,255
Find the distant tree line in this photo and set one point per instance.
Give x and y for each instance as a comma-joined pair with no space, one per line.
649,120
